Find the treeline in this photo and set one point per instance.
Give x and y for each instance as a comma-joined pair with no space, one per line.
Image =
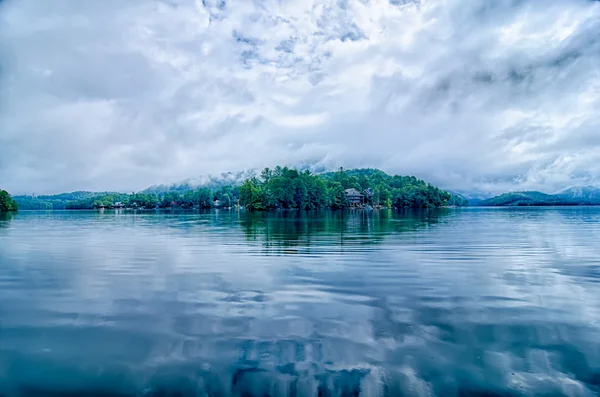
292,189
287,188
225,196
54,202
281,187
7,204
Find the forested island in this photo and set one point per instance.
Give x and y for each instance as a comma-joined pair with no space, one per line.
277,188
7,203
289,188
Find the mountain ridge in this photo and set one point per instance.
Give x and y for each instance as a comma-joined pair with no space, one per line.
576,195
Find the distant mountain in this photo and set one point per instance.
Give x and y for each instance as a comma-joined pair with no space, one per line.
583,194
472,199
529,198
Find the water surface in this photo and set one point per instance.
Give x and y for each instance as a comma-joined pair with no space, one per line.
383,303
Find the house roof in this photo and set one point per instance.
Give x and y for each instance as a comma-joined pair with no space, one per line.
352,192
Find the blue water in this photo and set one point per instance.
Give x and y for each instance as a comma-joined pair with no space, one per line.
453,302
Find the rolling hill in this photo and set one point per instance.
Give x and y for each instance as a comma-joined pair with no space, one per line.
529,198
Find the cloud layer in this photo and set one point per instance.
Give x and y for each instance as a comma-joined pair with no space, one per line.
469,94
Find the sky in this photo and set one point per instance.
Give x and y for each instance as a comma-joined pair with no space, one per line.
472,95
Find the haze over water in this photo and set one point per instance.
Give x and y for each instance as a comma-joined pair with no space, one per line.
382,303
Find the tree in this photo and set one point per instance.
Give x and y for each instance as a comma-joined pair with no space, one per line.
363,182
188,199
316,192
204,198
252,195
246,194
169,199
151,201
7,204
226,200
266,175
300,194
337,196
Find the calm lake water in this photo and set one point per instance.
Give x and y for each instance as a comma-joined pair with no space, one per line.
453,302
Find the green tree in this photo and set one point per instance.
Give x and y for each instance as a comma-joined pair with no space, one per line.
7,204
317,193
300,194
363,182
252,195
203,198
226,200
266,175
337,196
169,199
246,194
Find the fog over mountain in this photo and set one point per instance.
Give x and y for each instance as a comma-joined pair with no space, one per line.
471,95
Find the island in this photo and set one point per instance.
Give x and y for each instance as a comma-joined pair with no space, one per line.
7,203
360,188
270,189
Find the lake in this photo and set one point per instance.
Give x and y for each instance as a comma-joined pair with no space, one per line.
448,302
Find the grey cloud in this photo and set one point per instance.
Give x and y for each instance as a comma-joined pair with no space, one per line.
472,95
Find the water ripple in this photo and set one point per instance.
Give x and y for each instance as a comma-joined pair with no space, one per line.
466,302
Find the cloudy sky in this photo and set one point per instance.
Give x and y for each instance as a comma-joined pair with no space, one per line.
473,95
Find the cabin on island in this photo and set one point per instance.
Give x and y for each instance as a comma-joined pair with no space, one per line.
354,197
119,204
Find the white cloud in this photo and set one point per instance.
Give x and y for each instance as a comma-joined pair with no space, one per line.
472,95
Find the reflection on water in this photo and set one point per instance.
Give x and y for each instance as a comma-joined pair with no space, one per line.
5,217
370,303
289,229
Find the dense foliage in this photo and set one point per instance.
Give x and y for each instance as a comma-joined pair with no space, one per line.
289,188
7,204
54,202
531,198
225,196
280,187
